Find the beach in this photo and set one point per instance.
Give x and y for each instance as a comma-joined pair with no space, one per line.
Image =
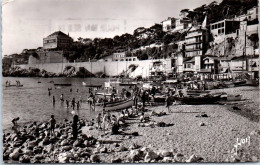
188,138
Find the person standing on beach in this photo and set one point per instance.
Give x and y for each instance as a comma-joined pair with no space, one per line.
67,103
73,102
53,100
144,97
61,97
52,125
99,120
168,103
70,89
75,126
78,105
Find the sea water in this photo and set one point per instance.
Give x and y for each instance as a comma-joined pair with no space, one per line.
32,101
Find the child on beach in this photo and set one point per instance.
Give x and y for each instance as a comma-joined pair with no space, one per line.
52,124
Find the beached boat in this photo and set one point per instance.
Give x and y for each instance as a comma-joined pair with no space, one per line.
194,100
234,97
14,86
91,85
118,105
239,82
62,84
128,84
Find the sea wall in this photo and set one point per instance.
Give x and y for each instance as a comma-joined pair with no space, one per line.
111,68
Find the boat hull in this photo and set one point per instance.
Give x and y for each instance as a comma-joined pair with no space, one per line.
14,86
198,100
126,84
118,105
62,84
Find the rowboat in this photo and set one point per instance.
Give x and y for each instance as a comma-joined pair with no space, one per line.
127,84
239,82
234,97
195,100
62,84
91,85
118,105
14,86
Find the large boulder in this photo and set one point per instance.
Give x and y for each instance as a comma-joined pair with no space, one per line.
135,155
150,155
94,159
25,159
15,154
194,158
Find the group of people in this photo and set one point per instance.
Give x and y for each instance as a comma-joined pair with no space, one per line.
73,103
8,83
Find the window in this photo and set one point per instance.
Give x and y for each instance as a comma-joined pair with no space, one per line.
122,60
126,59
223,30
130,59
222,24
134,59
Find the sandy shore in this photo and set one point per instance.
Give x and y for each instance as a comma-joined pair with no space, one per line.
213,142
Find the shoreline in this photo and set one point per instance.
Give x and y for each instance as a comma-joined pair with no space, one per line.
184,141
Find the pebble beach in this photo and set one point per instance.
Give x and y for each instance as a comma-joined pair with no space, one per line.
188,136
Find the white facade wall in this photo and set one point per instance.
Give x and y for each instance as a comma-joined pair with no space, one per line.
112,68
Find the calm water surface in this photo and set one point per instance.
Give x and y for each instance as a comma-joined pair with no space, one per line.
33,103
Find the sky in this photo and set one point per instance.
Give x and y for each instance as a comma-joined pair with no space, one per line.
26,22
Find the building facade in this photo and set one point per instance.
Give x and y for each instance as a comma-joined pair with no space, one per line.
196,42
224,27
168,24
57,41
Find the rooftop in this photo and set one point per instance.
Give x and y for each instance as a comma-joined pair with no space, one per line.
58,33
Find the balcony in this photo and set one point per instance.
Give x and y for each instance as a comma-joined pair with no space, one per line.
190,35
188,69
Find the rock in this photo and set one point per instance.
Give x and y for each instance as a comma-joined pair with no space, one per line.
116,145
77,143
6,156
32,144
123,148
67,148
63,158
202,124
204,115
134,146
46,141
135,155
37,150
64,142
167,160
178,157
48,148
103,150
236,108
94,158
15,154
254,159
164,153
27,151
24,159
116,160
194,158
38,156
150,155
135,134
